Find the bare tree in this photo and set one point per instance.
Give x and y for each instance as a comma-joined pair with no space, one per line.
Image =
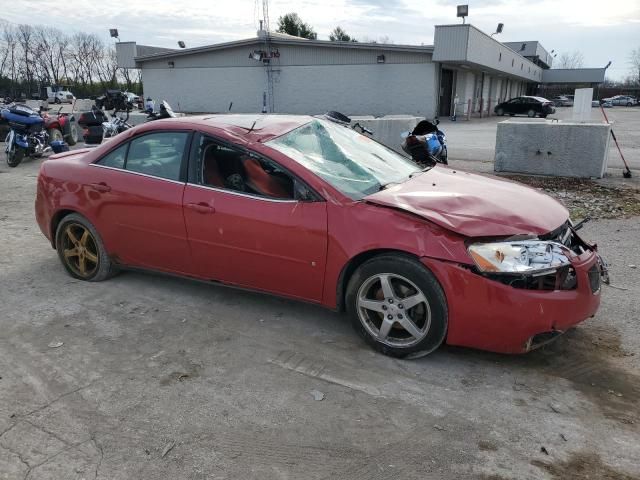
573,59
51,47
32,56
634,60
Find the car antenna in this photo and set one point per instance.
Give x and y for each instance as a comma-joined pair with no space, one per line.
254,124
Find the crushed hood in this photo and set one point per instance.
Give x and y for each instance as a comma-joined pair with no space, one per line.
474,205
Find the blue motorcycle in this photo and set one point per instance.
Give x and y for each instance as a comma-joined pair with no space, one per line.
27,137
426,144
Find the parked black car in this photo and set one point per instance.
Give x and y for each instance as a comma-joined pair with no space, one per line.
530,106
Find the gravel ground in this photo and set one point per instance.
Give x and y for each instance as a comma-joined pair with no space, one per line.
147,376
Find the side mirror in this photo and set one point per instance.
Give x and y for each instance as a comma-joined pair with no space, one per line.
437,121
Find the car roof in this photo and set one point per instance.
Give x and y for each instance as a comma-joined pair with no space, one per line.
253,127
540,99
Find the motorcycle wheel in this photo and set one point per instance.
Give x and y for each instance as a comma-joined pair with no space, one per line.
54,135
15,156
73,134
444,155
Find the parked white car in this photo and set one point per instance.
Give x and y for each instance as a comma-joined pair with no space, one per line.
624,100
605,103
563,101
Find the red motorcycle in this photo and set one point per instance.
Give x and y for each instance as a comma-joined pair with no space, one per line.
60,126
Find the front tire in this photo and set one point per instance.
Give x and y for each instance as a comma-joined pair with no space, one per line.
81,250
500,112
531,113
398,306
15,156
54,135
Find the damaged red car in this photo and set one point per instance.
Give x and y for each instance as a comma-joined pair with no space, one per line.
306,208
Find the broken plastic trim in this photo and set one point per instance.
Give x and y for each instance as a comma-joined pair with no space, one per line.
541,339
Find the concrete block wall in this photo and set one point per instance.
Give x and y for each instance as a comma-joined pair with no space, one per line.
543,147
368,89
357,89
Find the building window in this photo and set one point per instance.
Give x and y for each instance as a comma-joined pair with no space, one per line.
500,57
522,66
513,61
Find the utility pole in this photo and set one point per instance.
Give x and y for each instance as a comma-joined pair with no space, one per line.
269,104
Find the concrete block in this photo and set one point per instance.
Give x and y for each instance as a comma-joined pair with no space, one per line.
563,149
387,130
83,104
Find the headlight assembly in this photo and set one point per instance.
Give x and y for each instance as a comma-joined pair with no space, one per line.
526,256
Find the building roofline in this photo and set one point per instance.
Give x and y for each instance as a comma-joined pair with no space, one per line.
290,40
578,68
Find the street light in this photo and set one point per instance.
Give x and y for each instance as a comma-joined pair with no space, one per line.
181,44
114,33
463,11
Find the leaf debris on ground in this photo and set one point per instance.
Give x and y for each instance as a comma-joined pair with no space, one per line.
586,198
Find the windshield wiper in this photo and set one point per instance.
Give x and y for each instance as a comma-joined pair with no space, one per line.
421,171
383,186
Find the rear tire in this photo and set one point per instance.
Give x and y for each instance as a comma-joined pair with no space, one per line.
531,113
374,300
73,134
81,250
15,156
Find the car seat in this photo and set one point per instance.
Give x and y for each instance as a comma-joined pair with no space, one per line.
211,172
262,182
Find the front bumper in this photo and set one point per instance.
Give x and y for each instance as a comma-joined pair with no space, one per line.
490,315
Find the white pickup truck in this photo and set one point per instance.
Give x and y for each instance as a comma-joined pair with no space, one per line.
57,94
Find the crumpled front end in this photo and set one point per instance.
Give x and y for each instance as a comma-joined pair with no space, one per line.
517,313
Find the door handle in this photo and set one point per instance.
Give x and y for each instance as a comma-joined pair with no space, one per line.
201,207
100,187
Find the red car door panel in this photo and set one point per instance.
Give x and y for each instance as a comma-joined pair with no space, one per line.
273,245
140,219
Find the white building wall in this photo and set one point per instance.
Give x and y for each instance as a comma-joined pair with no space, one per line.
358,89
372,89
206,90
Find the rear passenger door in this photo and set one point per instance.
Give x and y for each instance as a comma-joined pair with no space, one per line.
136,191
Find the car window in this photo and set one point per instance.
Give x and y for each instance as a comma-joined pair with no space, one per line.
515,100
115,158
158,154
228,168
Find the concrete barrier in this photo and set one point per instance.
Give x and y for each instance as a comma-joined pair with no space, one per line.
83,104
563,149
387,130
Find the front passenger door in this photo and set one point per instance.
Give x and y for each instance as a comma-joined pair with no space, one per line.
252,224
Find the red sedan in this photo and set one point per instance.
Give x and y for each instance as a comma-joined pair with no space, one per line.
306,208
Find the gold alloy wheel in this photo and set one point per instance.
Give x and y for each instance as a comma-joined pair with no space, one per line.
79,250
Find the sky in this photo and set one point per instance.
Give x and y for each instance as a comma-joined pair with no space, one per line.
602,31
